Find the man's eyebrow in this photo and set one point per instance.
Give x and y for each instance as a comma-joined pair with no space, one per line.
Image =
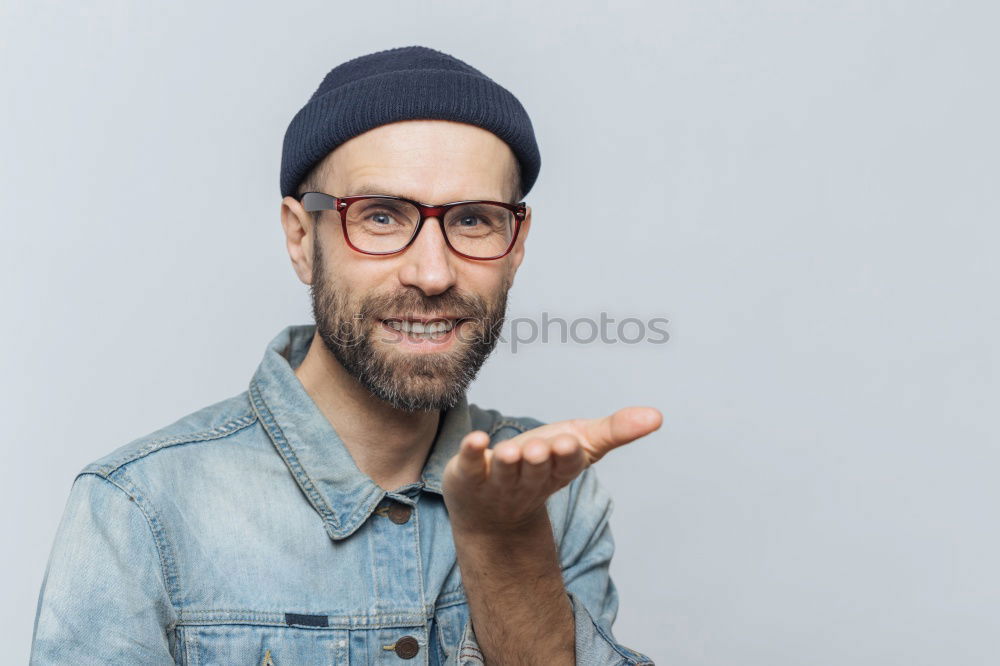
373,188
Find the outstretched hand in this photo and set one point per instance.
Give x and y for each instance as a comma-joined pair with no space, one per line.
500,489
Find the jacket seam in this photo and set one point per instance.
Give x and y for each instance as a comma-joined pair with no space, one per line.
162,549
309,611
629,658
219,432
277,619
468,646
461,599
420,566
443,652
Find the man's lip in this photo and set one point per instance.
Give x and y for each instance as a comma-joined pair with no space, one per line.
423,319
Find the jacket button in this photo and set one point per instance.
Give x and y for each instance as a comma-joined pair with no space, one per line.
407,647
399,513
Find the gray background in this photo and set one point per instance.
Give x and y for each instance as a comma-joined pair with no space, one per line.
807,190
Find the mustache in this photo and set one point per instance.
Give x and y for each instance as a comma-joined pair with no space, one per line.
415,302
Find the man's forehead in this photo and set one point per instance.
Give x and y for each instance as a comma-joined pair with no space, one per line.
455,193
433,183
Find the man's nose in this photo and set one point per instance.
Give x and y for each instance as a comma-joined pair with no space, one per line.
428,264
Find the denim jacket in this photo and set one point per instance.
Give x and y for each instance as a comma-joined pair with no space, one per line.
244,533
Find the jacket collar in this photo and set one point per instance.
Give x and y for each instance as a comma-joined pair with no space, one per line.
315,455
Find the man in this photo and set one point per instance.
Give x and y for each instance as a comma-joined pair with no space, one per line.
351,506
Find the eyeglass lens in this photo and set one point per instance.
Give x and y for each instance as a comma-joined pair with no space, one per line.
387,225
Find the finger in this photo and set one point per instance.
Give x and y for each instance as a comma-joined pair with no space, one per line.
568,458
536,462
505,464
624,426
471,459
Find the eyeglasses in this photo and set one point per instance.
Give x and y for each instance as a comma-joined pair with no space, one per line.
383,224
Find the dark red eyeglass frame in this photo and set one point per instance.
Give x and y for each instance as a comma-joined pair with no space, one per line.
316,201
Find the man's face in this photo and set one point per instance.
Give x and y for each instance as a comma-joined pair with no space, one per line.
367,307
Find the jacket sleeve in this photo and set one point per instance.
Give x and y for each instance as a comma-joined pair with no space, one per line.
585,556
103,597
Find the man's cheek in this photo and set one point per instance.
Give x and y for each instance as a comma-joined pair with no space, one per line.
469,330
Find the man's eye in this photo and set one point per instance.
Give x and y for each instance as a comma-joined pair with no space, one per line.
382,219
469,221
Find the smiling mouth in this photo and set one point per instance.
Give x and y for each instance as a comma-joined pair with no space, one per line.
427,328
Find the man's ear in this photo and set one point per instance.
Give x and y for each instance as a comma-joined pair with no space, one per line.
517,252
299,237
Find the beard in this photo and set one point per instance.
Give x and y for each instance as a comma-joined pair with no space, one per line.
409,382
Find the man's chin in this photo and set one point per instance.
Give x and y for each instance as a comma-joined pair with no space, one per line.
435,368
416,392
420,380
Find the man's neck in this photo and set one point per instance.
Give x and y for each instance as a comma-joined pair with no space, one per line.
388,444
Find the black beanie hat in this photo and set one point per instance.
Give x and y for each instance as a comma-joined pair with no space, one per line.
409,82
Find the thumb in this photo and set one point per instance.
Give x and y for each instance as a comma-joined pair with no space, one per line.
626,425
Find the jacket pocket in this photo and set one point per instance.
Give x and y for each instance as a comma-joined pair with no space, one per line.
260,645
450,621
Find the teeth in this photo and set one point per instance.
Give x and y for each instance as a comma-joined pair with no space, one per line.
420,328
